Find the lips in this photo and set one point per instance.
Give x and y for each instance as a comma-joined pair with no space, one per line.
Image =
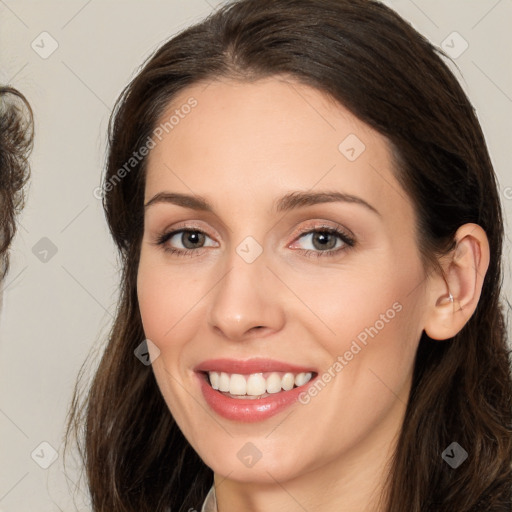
248,366
222,382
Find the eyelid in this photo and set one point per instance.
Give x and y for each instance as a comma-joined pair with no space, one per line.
314,225
319,225
186,226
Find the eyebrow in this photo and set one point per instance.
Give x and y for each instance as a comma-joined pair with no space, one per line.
290,201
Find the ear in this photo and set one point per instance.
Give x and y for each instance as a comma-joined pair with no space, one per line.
454,296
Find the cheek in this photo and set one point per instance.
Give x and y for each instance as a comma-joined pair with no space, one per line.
345,305
152,294
166,302
167,313
368,321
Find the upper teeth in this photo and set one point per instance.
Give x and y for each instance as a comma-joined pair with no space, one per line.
256,384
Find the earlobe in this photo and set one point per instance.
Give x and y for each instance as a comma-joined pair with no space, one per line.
454,295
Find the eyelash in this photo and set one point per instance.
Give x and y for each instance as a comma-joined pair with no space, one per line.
345,238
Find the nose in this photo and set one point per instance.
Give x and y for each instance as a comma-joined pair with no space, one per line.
246,302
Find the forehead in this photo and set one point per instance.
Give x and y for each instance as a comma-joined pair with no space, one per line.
254,141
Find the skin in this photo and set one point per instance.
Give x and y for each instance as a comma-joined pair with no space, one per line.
243,146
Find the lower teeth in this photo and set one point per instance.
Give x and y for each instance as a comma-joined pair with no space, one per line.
246,397
251,397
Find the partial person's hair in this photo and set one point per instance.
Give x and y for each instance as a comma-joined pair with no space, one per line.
16,141
366,57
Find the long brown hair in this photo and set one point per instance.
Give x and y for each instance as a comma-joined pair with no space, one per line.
362,54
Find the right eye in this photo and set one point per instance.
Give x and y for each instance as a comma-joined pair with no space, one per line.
188,238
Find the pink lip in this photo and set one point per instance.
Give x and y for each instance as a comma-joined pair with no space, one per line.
245,367
249,410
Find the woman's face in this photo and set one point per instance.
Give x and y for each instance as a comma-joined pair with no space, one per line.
265,292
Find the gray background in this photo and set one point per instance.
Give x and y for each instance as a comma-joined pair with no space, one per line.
58,305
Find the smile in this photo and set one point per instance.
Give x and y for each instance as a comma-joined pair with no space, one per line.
251,390
256,385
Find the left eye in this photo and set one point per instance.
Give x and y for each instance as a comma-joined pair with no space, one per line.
325,242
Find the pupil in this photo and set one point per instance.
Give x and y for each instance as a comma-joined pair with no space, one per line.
187,239
322,238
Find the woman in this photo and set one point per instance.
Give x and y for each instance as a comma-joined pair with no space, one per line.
311,239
